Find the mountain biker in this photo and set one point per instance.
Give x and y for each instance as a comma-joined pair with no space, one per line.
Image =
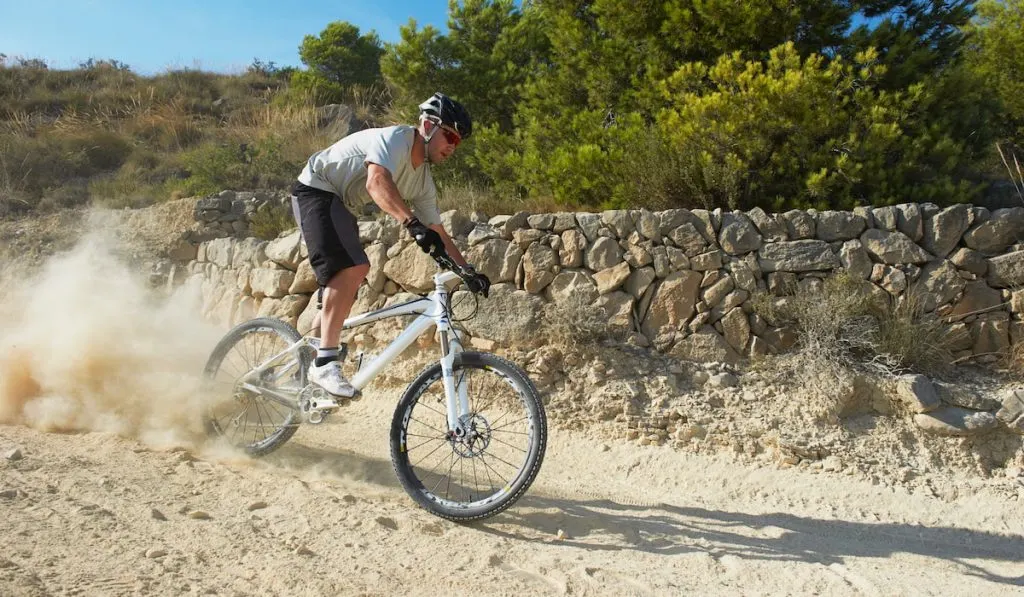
391,167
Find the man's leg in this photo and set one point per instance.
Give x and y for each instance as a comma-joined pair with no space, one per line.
339,295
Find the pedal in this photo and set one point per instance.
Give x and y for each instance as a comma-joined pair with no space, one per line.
317,404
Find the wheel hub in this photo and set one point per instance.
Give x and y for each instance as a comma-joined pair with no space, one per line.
475,439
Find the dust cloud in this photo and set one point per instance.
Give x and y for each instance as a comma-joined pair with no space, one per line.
86,345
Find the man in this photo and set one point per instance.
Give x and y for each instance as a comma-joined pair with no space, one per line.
391,167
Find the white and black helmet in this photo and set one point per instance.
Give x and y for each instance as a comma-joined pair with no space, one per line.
444,110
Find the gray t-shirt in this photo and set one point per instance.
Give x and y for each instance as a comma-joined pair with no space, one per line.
341,169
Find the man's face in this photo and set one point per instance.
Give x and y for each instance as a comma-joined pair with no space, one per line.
442,144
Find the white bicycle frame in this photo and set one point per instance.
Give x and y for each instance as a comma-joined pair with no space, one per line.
432,313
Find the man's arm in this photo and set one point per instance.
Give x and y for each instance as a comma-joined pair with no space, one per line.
384,192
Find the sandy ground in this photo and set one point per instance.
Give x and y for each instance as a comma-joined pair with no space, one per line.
136,506
97,514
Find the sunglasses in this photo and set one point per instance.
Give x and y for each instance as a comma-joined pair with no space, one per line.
450,136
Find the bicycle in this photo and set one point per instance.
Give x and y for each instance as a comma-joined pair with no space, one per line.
483,408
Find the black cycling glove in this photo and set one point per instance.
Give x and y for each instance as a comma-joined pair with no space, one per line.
428,240
476,282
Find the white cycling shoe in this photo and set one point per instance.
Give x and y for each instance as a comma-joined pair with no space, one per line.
329,378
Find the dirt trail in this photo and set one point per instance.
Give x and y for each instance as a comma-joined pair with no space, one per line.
95,513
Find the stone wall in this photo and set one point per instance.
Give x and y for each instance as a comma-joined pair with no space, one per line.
679,281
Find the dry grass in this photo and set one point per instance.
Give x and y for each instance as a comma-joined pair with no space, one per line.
841,324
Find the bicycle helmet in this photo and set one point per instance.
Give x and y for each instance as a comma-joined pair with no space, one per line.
444,110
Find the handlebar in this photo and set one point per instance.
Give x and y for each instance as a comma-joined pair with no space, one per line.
445,262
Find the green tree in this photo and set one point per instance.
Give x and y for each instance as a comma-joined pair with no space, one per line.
338,59
996,56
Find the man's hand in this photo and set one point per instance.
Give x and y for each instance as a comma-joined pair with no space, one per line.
428,240
476,282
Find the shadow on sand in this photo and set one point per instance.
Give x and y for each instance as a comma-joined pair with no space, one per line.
670,529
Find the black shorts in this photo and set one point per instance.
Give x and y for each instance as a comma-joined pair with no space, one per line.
331,232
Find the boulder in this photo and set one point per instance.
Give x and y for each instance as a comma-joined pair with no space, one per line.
796,256
738,234
1004,228
839,225
893,247
956,421
673,303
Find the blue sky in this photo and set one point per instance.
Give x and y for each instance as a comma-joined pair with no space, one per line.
217,35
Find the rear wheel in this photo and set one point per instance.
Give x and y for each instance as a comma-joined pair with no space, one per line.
493,464
257,422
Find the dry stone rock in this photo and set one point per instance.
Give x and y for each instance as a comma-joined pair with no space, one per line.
411,269
771,227
893,247
541,221
248,252
839,225
305,279
965,396
527,236
488,257
219,251
639,280
942,232
511,316
481,233
648,224
612,278
990,337
573,244
689,239
737,329
637,256
1004,228
718,291
273,283
287,308
617,308
738,234
284,250
796,256
589,224
705,346
672,304
909,221
956,421
800,225
977,298
456,223
1006,271
572,284
885,217
1011,413
602,254
620,221
538,264
377,253
917,393
970,260
940,283
711,260
892,279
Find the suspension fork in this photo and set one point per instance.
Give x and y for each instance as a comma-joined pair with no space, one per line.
456,396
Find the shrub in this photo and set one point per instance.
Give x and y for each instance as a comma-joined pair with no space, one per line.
269,222
840,322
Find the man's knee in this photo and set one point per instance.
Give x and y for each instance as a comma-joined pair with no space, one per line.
350,277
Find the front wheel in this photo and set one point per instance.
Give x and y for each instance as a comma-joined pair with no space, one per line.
493,463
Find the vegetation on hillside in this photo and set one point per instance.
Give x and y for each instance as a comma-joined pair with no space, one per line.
578,103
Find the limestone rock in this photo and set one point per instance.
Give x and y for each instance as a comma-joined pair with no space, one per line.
738,234
538,264
284,250
672,304
956,421
943,231
602,254
796,256
917,393
893,247
611,278
1006,271
412,269
839,225
1004,228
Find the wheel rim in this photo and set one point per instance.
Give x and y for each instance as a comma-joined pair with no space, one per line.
244,418
488,462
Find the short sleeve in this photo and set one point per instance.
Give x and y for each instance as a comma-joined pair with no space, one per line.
385,150
424,206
